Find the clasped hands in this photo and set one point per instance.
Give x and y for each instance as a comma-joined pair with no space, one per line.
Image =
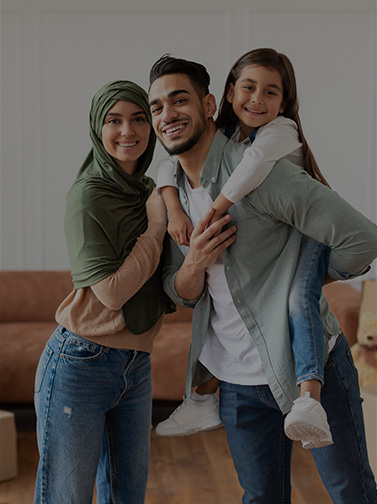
206,244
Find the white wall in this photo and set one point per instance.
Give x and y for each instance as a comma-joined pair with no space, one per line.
55,54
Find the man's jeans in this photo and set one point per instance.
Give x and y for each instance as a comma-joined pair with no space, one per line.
305,322
93,406
261,452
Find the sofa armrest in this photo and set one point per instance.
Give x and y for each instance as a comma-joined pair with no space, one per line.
344,302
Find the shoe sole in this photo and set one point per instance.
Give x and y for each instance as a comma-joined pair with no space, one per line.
311,435
321,443
304,432
178,433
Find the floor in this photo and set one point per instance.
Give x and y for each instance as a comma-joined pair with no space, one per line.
184,470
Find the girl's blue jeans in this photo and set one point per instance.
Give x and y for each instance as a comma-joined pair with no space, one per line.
94,407
305,322
262,453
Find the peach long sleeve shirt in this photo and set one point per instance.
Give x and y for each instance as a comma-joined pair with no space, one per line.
94,312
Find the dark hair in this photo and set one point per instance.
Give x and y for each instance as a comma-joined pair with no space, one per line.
270,58
196,72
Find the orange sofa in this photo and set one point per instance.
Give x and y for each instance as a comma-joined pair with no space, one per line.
28,301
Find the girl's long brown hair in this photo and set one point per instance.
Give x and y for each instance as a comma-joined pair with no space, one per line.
270,58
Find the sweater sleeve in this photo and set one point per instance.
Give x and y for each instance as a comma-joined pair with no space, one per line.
116,289
275,140
290,195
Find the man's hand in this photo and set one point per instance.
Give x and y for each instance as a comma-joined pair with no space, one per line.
206,244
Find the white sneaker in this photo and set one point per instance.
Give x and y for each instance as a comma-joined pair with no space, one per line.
192,417
307,422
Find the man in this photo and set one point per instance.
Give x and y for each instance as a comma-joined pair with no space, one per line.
239,288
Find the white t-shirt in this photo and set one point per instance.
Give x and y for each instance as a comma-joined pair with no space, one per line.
229,352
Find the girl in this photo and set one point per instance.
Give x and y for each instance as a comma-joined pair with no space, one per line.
93,382
259,107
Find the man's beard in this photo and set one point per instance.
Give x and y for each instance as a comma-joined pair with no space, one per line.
200,128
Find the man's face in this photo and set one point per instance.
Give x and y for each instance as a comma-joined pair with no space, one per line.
178,113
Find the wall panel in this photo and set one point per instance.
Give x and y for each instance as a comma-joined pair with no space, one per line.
11,196
56,54
334,62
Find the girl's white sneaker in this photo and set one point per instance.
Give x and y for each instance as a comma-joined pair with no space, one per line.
191,417
307,422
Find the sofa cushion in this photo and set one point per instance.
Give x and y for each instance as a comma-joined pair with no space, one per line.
21,345
32,295
28,301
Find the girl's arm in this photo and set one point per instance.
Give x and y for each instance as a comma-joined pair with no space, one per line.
275,140
165,173
179,226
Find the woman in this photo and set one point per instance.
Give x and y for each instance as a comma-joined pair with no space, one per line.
93,382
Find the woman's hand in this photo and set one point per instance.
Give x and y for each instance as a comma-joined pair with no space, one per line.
156,211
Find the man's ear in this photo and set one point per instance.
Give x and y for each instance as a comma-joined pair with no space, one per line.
210,105
230,93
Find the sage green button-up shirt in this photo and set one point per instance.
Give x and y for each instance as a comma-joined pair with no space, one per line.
260,264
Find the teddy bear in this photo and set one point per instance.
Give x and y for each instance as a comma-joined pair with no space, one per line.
364,352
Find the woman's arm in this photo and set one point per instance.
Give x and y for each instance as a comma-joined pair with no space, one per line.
116,289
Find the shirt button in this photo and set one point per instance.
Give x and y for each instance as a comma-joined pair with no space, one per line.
213,179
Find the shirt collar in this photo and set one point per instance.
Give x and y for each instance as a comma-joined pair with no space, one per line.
212,163
232,131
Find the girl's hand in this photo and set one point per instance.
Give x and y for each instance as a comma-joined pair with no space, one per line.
156,211
215,217
180,227
219,208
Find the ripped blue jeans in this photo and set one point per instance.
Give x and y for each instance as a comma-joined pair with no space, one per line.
94,408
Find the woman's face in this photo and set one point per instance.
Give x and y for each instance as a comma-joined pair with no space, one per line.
125,134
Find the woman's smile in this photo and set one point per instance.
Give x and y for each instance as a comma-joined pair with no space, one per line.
125,134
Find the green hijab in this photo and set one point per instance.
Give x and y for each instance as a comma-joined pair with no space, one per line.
106,212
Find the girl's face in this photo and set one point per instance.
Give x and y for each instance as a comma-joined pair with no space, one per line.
125,134
256,97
